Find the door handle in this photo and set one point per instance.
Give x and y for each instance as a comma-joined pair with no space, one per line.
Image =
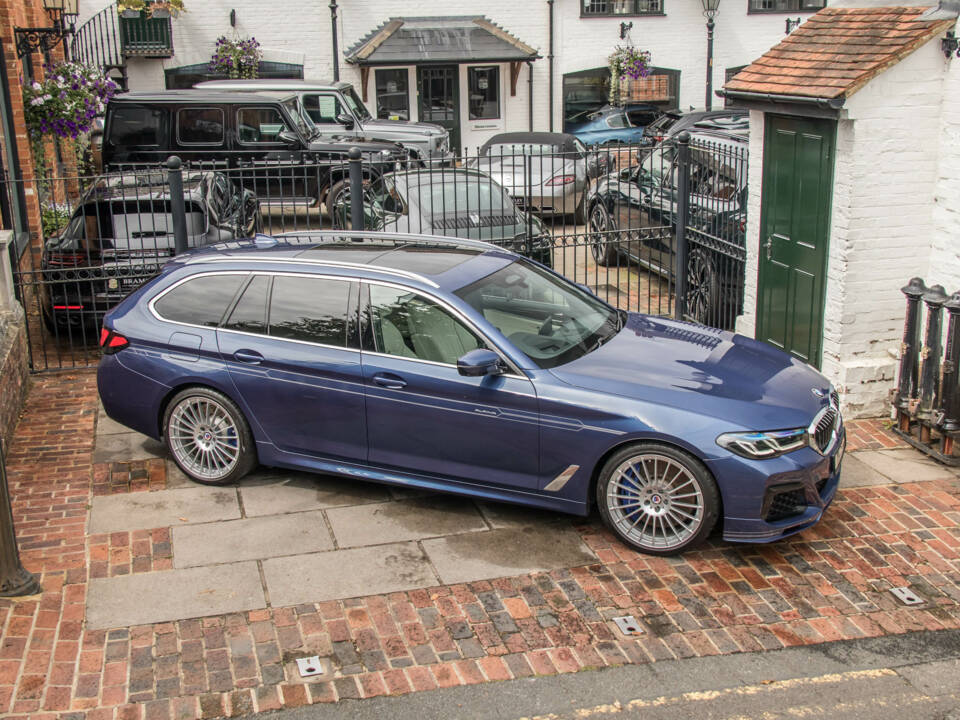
250,357
769,246
389,380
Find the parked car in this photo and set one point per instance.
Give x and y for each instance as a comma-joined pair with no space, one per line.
632,217
545,173
121,232
453,202
672,122
609,125
283,158
453,365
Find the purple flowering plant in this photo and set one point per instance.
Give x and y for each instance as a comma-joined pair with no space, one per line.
238,58
626,61
68,100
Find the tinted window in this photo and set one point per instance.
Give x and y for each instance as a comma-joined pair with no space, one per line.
200,301
260,125
250,312
309,309
135,125
322,108
200,126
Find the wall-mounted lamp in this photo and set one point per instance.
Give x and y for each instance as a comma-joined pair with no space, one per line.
950,44
793,24
61,13
624,29
233,18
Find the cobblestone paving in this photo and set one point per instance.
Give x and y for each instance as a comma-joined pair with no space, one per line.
827,584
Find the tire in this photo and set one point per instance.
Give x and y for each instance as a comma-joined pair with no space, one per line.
580,213
603,247
677,501
335,190
198,415
703,288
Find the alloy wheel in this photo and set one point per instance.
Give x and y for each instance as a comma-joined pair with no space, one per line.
204,438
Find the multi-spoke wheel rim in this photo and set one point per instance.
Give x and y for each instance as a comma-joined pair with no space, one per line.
598,225
700,283
204,438
655,501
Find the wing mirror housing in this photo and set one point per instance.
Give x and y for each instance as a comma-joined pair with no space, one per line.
480,362
346,120
289,138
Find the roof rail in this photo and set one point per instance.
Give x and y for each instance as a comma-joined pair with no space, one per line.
387,235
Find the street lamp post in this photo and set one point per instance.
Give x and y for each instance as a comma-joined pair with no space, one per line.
710,8
336,52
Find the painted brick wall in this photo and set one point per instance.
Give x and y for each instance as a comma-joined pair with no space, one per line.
945,250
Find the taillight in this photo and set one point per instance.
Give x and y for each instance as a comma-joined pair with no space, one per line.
562,180
67,259
112,341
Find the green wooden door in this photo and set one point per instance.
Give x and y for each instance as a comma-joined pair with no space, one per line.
798,160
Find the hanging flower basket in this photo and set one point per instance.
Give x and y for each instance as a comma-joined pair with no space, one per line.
238,58
626,61
68,100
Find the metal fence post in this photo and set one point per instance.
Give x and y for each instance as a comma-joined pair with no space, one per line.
950,390
177,205
682,210
15,580
356,187
528,201
909,349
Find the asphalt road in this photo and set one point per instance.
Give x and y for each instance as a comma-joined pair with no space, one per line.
912,677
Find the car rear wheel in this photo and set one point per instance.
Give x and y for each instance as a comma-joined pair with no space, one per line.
658,499
335,197
208,436
602,240
703,288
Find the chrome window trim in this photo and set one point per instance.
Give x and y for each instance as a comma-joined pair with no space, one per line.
223,126
332,263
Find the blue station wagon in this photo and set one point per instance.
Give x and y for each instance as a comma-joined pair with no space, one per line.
456,365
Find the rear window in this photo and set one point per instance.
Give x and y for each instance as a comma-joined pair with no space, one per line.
135,125
201,300
200,126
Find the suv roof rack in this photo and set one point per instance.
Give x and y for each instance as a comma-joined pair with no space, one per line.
404,238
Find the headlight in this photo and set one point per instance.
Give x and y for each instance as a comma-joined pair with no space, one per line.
763,445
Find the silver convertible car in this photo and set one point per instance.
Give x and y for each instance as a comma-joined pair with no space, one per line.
545,173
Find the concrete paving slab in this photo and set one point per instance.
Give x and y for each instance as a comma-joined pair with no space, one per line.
270,493
250,539
107,425
503,515
906,465
139,599
126,446
344,574
403,520
507,551
164,508
176,478
856,473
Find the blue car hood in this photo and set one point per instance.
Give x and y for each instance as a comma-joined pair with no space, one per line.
698,369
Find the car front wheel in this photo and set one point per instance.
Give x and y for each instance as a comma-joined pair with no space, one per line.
603,243
658,499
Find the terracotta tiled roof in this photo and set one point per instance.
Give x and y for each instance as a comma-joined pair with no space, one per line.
837,51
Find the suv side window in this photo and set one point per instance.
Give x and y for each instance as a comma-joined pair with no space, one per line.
260,125
201,300
200,126
409,325
136,126
310,309
323,109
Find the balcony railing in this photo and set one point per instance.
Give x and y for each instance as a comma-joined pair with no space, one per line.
146,37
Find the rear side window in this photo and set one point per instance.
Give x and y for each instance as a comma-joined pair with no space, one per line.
200,126
200,301
136,126
260,125
310,309
250,313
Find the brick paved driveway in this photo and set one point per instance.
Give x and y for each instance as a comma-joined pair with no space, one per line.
898,525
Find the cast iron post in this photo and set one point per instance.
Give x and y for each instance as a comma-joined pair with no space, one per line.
356,187
681,209
710,25
177,207
950,391
15,580
909,349
336,53
934,299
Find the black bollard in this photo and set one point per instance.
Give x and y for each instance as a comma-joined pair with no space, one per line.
934,299
910,348
950,389
356,187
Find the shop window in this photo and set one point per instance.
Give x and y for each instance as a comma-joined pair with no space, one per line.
484,88
393,95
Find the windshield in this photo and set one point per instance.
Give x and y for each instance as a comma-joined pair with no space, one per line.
305,128
658,164
355,104
546,317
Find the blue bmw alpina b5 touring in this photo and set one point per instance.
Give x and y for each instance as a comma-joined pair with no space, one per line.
455,365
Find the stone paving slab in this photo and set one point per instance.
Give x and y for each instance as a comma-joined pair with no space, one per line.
250,539
347,573
504,515
403,520
272,493
126,446
173,595
508,551
856,473
164,508
106,425
905,465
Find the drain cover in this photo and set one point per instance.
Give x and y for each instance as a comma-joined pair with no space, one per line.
628,625
309,666
906,596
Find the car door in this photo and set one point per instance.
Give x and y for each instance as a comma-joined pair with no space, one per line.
426,418
291,347
273,169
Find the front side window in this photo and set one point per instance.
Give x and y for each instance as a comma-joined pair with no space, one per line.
355,103
135,126
200,126
309,309
323,109
260,125
393,95
785,5
409,325
484,89
199,301
592,8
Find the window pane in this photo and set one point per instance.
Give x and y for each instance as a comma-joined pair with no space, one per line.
250,312
260,125
393,100
484,84
201,301
622,7
785,5
409,325
322,108
201,126
135,126
310,309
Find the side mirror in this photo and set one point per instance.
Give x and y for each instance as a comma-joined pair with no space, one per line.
289,138
586,288
479,362
345,120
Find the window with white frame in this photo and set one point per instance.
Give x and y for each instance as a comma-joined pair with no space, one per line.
600,8
775,6
393,94
483,85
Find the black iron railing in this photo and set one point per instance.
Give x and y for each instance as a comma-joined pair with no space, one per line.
97,42
144,36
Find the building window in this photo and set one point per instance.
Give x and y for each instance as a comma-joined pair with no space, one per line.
775,6
600,8
484,88
393,96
